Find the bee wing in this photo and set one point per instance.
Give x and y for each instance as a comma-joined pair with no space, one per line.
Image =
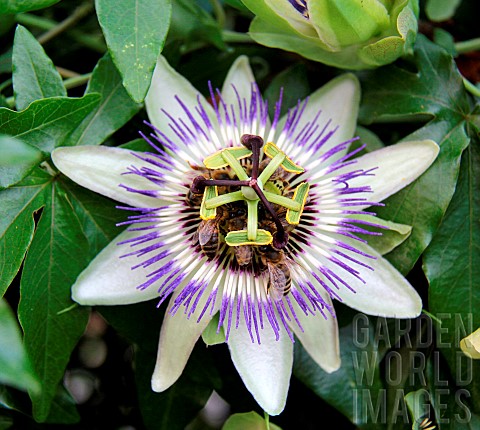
205,231
278,281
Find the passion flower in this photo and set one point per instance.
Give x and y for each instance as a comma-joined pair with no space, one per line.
251,219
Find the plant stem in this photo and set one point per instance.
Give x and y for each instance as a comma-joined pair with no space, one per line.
31,20
79,13
5,84
219,12
235,37
468,46
76,81
472,89
267,420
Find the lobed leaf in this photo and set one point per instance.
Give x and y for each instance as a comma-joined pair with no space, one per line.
51,326
17,205
358,377
115,109
452,266
48,123
434,91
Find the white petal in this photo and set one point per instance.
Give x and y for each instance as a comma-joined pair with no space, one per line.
241,77
166,85
177,340
109,279
338,101
385,292
397,166
319,336
101,168
265,369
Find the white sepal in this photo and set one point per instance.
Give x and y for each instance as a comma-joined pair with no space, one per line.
178,337
266,368
320,335
110,280
102,169
396,166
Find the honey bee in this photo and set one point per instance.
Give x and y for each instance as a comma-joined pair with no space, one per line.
208,237
237,220
243,254
193,199
279,278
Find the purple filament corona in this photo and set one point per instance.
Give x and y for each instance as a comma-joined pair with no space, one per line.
162,237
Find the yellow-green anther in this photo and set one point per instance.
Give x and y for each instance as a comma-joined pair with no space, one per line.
252,220
282,201
217,161
271,150
239,238
300,196
224,199
208,213
269,170
235,165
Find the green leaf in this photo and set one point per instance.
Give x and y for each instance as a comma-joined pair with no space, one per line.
248,421
20,6
48,123
135,32
63,410
295,80
357,381
435,91
191,24
17,205
441,10
368,138
34,75
15,368
114,110
18,160
452,264
98,216
51,326
210,335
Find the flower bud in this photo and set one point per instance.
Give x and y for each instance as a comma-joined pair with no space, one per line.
350,34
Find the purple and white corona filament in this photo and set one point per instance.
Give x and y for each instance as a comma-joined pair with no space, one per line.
251,220
167,240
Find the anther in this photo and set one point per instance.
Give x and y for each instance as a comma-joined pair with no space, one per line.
280,238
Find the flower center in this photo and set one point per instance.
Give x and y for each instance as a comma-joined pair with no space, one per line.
250,202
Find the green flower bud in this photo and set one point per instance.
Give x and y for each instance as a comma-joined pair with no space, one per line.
351,34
